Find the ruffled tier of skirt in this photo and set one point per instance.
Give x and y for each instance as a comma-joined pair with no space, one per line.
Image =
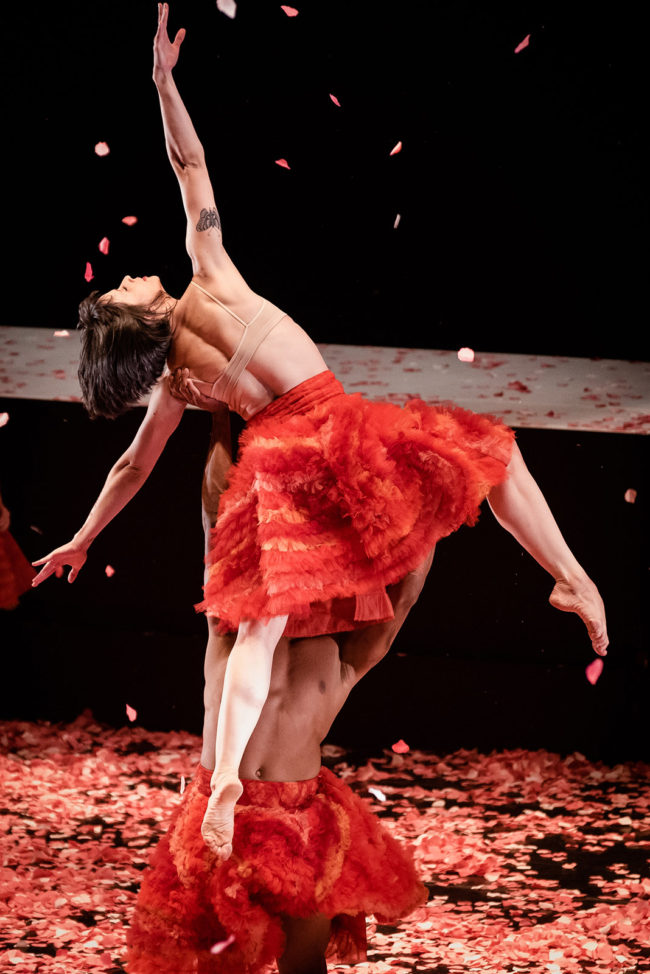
16,573
334,497
299,848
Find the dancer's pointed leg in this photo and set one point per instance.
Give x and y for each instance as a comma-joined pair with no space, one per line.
246,687
520,507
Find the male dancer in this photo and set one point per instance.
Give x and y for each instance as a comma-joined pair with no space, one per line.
309,860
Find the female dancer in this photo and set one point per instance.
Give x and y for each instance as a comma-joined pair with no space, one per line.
332,499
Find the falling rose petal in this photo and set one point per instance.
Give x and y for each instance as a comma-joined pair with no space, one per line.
396,223
221,946
378,793
335,100
594,670
101,149
401,747
110,571
466,354
289,11
283,163
130,220
32,527
64,333
396,148
523,44
630,495
89,272
4,419
182,783
227,7
131,713
104,244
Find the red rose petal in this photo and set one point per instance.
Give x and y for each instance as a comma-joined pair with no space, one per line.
594,670
289,11
523,44
227,7
89,272
130,220
465,355
110,571
222,944
396,223
396,148
131,713
4,419
378,794
101,149
335,100
630,495
104,244
283,163
401,747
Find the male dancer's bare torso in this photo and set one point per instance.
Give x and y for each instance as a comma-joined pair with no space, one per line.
310,682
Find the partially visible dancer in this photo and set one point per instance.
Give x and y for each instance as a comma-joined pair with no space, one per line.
309,859
16,573
333,498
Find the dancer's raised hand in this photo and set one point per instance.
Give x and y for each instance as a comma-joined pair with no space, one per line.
68,554
165,53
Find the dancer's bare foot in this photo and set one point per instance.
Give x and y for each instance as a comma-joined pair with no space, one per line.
219,819
580,595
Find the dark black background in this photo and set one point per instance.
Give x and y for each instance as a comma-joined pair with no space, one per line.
519,183
521,200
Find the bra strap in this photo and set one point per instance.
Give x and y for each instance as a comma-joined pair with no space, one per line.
224,306
251,341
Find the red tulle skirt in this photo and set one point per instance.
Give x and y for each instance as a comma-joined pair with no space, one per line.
16,573
299,848
334,497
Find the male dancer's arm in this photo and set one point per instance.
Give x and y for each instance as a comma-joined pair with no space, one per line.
362,649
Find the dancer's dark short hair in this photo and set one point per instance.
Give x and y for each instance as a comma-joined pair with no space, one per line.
123,353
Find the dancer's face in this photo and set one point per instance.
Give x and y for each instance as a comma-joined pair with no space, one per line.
135,290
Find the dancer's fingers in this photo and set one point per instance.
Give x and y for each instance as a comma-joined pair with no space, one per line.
49,569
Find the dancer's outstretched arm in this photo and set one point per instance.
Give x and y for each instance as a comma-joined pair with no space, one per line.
204,237
123,482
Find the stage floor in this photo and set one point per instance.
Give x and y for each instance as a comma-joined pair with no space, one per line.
534,391
534,862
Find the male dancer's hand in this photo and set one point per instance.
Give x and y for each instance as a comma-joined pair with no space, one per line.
165,54
182,387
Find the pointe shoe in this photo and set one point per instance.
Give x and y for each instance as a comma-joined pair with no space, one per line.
583,598
219,819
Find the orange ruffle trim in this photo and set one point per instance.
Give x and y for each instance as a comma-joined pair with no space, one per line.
334,497
300,848
16,573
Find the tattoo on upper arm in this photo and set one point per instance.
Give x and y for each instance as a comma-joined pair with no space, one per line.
209,219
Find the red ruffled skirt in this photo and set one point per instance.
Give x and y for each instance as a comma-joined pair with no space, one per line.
334,497
16,573
299,848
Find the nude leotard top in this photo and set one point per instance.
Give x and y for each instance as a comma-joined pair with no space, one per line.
240,390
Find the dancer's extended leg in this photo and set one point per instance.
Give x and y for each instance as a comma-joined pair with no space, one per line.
520,507
245,689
